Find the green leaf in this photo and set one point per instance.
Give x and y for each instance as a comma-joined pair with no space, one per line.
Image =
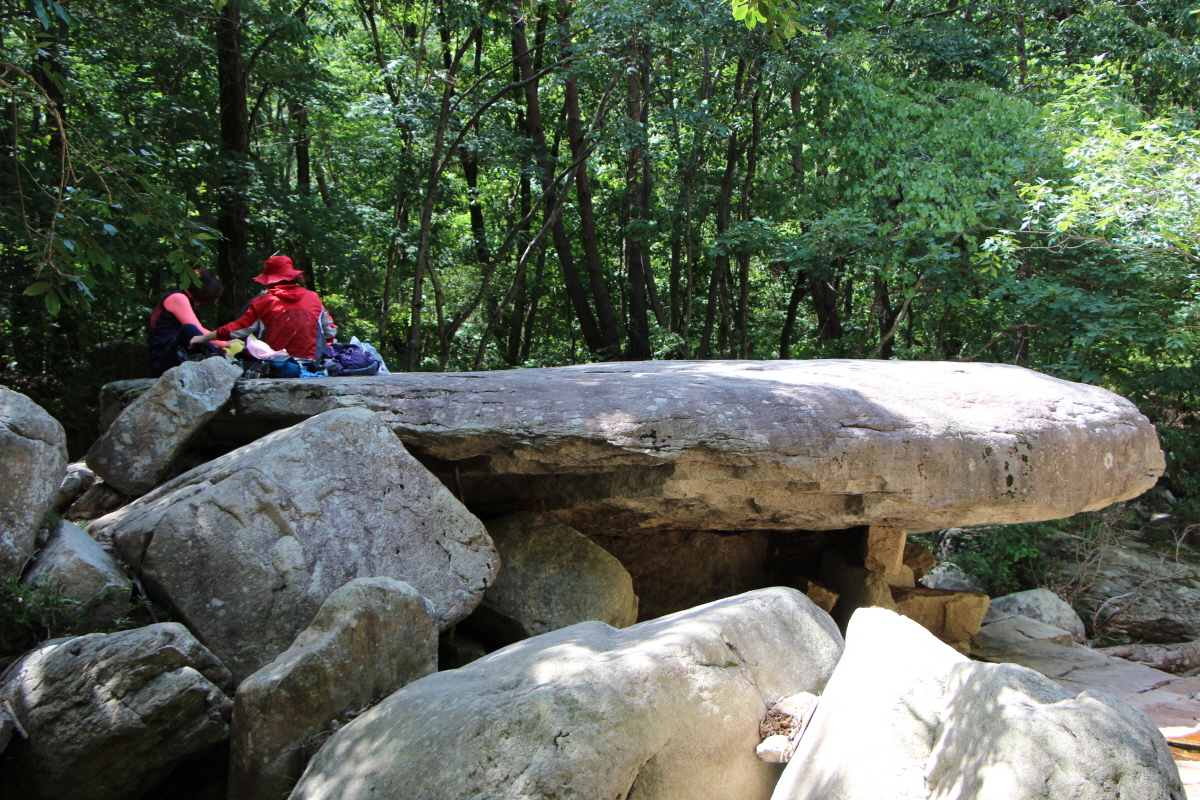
41,287
42,16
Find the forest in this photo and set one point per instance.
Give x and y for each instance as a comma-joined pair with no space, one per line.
477,185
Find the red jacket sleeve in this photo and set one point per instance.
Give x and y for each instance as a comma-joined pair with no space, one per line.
248,318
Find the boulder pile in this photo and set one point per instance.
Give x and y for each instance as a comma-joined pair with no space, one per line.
628,575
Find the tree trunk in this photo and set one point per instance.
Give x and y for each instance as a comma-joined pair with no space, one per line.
572,281
233,206
799,289
637,347
608,335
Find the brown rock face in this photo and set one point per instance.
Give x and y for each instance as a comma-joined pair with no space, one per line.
953,617
782,445
675,570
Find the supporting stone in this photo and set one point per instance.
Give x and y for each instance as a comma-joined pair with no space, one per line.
883,549
953,617
824,597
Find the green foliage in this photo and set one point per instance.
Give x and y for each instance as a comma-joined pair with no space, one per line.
1182,448
32,613
977,181
1006,558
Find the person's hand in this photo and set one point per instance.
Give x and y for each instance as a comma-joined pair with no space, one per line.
197,340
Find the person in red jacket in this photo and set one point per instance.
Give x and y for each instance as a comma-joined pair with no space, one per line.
286,316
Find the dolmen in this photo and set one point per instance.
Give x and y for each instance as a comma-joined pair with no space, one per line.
333,554
746,445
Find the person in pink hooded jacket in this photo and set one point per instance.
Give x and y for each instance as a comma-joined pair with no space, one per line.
286,316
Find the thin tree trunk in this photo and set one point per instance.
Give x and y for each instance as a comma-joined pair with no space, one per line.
232,249
562,244
743,257
607,323
799,289
637,346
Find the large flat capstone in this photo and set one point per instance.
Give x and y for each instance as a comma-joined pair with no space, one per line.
737,445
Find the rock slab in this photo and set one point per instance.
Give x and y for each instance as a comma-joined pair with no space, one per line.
137,449
664,709
553,576
109,715
784,445
33,455
257,539
75,566
371,637
943,727
1168,700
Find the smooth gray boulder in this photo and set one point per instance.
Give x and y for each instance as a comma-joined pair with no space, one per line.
941,727
33,455
721,445
246,547
75,566
553,576
668,708
136,450
1042,605
371,637
110,715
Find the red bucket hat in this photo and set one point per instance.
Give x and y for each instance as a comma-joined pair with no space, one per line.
276,269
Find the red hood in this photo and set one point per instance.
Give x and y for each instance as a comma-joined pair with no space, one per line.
288,293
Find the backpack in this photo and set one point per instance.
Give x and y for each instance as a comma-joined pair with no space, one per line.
351,360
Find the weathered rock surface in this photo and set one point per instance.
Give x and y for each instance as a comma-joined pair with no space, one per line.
950,577
883,550
136,450
1168,700
553,576
287,520
919,559
78,568
33,455
785,445
371,637
1044,606
1173,658
1159,588
99,499
7,727
953,617
943,727
79,479
1002,631
109,715
665,709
